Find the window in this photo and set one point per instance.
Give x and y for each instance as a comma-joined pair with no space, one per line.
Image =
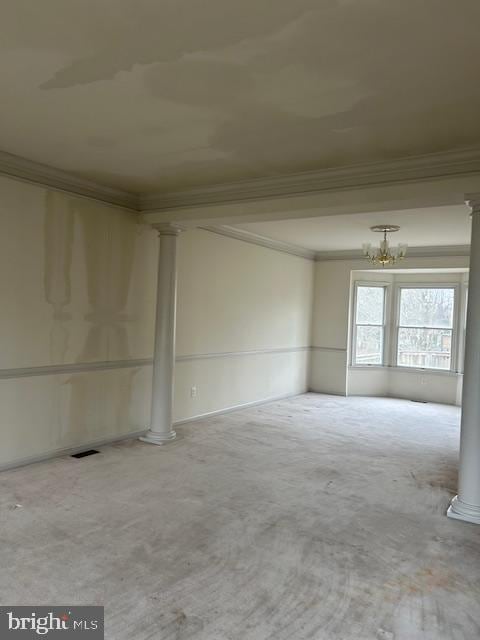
425,327
369,338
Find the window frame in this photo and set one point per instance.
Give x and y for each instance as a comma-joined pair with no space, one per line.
455,324
462,324
386,338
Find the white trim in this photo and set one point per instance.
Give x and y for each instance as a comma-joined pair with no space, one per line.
392,314
386,316
389,367
324,256
238,407
398,286
413,252
454,163
462,322
235,354
85,367
337,349
68,451
57,369
262,241
42,174
406,169
135,434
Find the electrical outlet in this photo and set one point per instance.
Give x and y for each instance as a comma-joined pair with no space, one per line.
193,392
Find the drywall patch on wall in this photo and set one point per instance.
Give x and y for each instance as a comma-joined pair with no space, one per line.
80,282
43,414
78,293
78,309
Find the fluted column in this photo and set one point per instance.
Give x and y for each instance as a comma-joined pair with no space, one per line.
161,425
466,505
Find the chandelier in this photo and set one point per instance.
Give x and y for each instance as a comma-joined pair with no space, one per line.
384,255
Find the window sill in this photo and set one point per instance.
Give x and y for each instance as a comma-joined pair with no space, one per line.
383,367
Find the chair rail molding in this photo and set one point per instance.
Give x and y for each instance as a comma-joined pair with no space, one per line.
77,367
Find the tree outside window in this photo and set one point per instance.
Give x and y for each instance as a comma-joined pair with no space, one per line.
425,327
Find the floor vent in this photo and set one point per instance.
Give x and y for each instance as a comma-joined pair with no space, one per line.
420,401
83,454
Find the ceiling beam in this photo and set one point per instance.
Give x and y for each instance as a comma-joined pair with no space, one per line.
413,168
405,183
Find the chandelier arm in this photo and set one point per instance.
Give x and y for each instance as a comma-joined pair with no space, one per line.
384,255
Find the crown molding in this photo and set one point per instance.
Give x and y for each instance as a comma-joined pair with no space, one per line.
323,256
412,252
457,163
262,241
408,169
37,173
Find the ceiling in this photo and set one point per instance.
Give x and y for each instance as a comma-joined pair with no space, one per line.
428,227
169,94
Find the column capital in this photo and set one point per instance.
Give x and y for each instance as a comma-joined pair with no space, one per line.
473,201
167,228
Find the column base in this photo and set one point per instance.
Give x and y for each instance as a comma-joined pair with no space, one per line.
153,437
462,511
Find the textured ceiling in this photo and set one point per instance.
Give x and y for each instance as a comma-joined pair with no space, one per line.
429,227
159,94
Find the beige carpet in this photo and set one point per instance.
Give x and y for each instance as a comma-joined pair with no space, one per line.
317,517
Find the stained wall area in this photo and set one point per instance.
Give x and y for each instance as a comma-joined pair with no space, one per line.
76,321
77,312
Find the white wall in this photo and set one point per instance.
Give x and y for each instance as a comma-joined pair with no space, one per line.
77,296
397,382
331,337
77,322
235,298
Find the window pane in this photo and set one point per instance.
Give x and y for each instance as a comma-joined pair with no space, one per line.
370,305
369,345
426,307
425,348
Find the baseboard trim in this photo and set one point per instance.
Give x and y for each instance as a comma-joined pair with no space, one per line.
91,444
238,407
67,451
340,394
